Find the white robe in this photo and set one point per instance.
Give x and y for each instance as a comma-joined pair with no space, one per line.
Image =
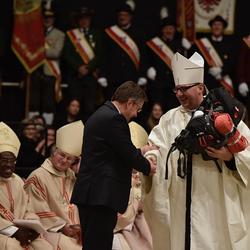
131,231
220,208
50,192
14,205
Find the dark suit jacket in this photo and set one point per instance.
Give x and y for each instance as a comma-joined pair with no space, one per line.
108,158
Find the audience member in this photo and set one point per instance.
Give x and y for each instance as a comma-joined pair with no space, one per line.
71,114
47,144
40,125
29,156
154,116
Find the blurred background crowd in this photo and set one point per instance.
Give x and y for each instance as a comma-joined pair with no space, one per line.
88,48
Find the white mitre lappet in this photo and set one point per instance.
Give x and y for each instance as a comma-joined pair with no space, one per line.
139,136
69,138
187,71
9,141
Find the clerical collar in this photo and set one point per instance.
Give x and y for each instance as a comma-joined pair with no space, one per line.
126,27
188,111
217,39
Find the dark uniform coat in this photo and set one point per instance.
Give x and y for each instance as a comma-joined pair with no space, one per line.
227,52
83,88
117,66
160,89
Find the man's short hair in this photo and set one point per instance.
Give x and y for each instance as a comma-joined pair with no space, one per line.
129,90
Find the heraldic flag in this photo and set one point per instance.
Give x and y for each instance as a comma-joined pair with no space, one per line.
28,34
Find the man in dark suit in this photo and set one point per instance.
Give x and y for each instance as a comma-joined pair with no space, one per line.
104,179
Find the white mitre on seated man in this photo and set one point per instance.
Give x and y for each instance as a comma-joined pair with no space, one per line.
69,138
9,141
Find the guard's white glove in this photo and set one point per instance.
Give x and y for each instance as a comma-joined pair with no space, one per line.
215,72
185,43
103,82
151,73
228,80
142,81
243,89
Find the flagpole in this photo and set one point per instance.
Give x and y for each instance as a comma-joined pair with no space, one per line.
27,94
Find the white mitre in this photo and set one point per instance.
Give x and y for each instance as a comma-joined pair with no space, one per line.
187,71
9,141
69,138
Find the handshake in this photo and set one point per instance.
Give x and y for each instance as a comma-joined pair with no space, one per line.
151,158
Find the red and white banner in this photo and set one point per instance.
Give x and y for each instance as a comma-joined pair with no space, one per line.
28,38
194,15
205,10
188,7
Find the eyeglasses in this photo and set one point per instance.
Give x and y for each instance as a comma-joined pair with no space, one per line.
183,89
139,106
68,158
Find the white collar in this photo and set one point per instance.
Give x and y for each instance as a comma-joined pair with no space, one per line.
7,179
217,39
126,27
117,108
